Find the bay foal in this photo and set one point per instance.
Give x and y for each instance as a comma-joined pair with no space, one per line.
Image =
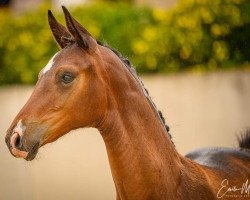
86,84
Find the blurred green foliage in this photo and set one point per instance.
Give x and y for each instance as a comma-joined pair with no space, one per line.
197,35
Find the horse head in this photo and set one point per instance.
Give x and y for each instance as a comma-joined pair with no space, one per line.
70,92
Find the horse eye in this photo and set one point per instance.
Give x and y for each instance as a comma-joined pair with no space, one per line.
67,78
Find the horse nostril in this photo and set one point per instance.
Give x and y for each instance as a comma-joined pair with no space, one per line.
18,141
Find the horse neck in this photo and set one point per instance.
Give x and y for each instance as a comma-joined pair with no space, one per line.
141,154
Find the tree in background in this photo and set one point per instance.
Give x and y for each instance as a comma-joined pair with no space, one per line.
197,35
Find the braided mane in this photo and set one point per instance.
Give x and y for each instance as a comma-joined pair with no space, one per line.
145,91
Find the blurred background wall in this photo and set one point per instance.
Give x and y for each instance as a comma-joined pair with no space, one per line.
201,109
193,57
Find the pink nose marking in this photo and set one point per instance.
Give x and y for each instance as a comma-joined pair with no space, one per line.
14,150
18,153
17,134
19,129
13,139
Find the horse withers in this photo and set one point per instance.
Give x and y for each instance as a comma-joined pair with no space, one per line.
87,84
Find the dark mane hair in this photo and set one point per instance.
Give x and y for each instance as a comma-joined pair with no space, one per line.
135,75
244,139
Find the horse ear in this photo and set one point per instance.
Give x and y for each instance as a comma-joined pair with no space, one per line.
80,34
60,33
